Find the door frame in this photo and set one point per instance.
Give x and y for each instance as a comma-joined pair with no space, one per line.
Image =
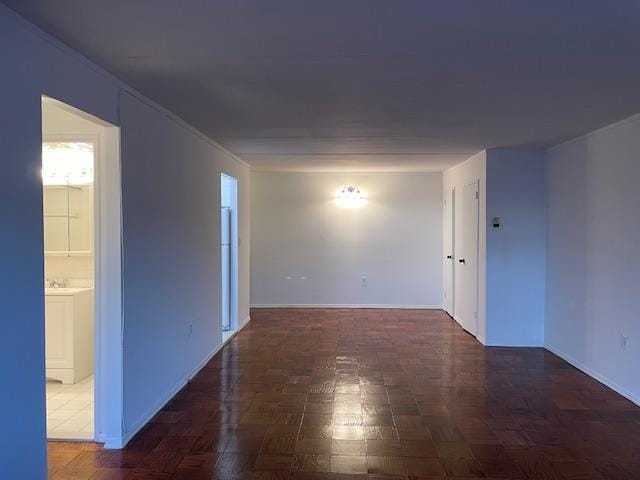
234,244
107,243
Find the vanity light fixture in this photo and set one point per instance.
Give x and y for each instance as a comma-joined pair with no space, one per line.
67,163
350,197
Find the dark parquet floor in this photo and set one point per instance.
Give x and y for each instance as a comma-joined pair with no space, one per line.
374,394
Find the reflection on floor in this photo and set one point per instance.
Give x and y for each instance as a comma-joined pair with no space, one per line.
314,394
226,335
70,410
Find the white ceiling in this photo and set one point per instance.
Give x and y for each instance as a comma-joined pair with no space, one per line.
374,85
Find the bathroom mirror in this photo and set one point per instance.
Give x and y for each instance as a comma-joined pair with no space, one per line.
67,172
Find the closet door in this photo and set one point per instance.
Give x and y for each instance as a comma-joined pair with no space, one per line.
468,258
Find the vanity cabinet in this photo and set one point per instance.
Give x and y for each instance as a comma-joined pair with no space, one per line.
69,333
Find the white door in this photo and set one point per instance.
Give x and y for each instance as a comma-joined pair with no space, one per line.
468,258
449,252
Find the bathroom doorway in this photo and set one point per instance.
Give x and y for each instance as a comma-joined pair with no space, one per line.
229,254
68,217
81,291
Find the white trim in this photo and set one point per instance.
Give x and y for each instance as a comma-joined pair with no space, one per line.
597,131
118,443
594,374
348,305
513,345
107,259
109,371
480,339
240,327
112,443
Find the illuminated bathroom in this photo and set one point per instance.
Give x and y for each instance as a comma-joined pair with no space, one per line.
68,153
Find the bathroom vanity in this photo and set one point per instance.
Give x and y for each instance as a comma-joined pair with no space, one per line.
69,333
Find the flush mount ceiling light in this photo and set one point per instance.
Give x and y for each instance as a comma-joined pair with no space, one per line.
67,163
350,196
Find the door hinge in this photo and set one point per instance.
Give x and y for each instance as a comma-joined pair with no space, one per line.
475,315
477,196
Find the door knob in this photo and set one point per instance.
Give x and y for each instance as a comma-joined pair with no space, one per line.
449,257
461,260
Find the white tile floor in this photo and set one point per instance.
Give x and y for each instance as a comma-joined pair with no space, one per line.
70,410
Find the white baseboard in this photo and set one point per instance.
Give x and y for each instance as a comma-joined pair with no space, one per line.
235,332
348,305
594,374
117,443
514,345
112,443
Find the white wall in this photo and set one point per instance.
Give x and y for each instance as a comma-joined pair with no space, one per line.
511,258
515,263
56,121
593,200
171,229
395,240
471,170
171,200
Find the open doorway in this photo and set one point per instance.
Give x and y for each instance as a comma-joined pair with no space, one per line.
67,174
82,291
229,254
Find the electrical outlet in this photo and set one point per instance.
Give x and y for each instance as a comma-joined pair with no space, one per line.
624,342
363,279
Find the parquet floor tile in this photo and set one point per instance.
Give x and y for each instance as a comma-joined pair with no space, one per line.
333,394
